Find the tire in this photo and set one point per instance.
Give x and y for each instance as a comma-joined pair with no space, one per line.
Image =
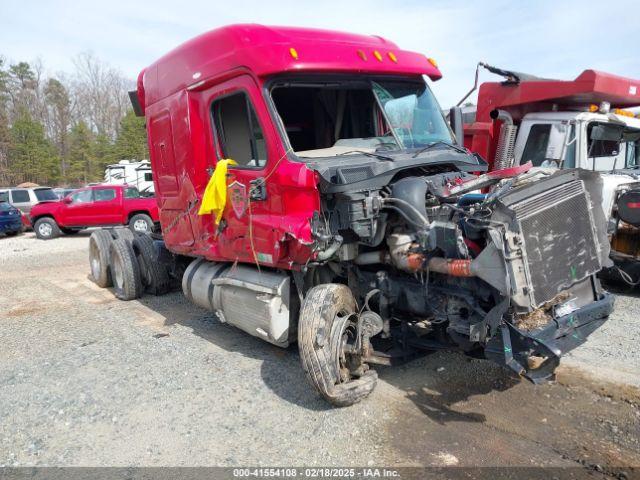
154,275
125,271
123,233
100,257
46,228
141,223
325,318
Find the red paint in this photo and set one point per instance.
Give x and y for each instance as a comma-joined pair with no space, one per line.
95,213
176,93
590,87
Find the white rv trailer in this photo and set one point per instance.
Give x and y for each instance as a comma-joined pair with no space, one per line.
131,173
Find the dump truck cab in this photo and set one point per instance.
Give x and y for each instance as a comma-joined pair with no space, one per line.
310,190
582,123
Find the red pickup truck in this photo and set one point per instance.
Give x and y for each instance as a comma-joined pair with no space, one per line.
95,206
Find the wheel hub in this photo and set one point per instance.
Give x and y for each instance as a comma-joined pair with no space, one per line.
45,229
140,226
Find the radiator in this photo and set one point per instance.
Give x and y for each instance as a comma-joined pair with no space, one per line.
560,243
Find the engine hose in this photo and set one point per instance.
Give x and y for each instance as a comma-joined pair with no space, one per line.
330,250
453,267
627,278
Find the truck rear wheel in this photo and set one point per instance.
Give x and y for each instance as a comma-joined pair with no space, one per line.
99,257
46,228
123,233
141,223
154,275
125,271
327,330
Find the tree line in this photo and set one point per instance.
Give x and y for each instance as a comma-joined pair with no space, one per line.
64,129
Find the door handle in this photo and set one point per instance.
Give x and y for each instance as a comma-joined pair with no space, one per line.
257,189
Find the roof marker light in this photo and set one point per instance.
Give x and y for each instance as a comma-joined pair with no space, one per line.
377,54
624,113
362,55
432,62
293,53
393,57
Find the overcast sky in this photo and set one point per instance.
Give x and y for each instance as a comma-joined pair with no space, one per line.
556,39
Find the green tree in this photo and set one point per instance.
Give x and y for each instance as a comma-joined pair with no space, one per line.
103,154
81,160
59,108
131,142
31,156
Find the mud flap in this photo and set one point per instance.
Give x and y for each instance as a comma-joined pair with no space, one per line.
514,348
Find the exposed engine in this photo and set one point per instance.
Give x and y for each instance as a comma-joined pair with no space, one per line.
438,262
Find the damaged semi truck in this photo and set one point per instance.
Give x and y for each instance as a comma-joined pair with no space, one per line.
350,220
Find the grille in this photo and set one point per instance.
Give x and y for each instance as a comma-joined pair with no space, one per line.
560,243
354,174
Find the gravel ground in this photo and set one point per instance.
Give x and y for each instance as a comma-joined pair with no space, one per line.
88,380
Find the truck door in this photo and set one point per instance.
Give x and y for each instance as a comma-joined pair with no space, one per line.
546,144
79,211
238,127
107,206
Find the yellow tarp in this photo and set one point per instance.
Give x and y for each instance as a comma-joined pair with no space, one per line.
215,195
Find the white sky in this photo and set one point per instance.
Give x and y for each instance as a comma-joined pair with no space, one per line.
555,39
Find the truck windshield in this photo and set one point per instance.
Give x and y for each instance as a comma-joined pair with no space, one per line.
324,119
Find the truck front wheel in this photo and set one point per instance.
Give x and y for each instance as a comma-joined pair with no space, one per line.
327,331
141,222
46,228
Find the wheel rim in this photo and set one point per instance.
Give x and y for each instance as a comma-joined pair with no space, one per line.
94,260
140,225
118,273
45,229
345,359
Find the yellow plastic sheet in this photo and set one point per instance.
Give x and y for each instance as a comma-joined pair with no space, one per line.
215,195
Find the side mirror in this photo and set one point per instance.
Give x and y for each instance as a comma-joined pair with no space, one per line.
67,200
455,120
557,139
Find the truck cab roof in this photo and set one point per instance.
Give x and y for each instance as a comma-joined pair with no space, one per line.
271,50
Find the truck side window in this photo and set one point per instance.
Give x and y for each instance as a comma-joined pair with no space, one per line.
20,196
536,146
601,148
83,196
131,192
105,194
238,130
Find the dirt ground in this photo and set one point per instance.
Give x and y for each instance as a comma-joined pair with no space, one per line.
87,380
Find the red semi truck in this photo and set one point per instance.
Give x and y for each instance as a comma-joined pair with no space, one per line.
95,206
347,219
562,124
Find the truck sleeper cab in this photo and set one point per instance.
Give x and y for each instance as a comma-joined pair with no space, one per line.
350,223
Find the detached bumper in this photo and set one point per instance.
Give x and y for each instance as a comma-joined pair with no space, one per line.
517,348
